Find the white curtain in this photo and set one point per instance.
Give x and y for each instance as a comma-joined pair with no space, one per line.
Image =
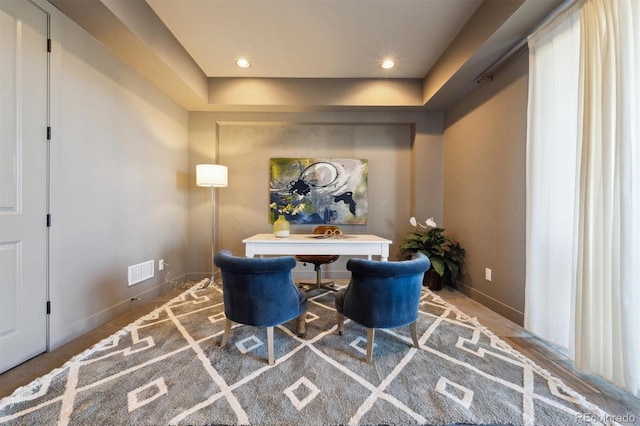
551,171
583,187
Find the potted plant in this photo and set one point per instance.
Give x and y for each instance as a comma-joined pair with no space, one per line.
281,225
445,254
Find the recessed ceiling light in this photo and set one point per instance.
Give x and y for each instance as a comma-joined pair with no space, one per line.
243,63
388,64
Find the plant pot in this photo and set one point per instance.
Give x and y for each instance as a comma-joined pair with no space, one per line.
432,280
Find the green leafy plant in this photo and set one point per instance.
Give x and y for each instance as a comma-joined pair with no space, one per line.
445,254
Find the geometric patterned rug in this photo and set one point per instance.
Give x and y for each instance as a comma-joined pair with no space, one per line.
168,368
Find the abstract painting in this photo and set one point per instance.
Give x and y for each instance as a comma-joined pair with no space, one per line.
319,191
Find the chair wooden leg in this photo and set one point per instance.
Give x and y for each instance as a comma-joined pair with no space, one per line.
371,333
302,324
414,334
270,345
340,319
227,331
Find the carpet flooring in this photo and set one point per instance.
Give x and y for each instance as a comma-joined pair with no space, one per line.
167,368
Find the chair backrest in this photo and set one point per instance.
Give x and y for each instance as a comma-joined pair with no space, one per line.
385,294
321,259
259,291
322,229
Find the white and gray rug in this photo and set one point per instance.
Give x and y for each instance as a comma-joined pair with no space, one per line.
167,368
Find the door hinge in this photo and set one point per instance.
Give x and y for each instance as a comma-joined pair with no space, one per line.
49,220
49,45
48,307
48,133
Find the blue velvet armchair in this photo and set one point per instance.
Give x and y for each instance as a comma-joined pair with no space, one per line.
260,292
382,295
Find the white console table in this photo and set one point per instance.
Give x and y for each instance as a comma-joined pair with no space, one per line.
353,244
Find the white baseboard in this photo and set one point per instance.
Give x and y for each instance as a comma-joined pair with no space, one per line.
492,303
79,328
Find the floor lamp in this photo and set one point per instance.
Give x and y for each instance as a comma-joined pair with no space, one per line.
213,176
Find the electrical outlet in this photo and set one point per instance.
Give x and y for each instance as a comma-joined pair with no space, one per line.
160,264
487,274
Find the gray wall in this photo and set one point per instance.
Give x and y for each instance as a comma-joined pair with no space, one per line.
484,187
405,171
123,179
118,183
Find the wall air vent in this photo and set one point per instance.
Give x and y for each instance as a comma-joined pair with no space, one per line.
140,272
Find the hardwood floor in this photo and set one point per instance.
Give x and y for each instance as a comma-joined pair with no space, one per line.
597,391
30,370
602,393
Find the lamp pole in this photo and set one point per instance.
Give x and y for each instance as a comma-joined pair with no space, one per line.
213,176
212,280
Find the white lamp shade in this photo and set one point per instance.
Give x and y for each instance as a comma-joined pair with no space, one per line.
211,175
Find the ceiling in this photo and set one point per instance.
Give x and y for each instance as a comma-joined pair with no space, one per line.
310,54
315,38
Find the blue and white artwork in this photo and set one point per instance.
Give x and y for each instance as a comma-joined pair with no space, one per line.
319,191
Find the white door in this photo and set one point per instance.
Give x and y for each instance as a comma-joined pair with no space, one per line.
23,181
